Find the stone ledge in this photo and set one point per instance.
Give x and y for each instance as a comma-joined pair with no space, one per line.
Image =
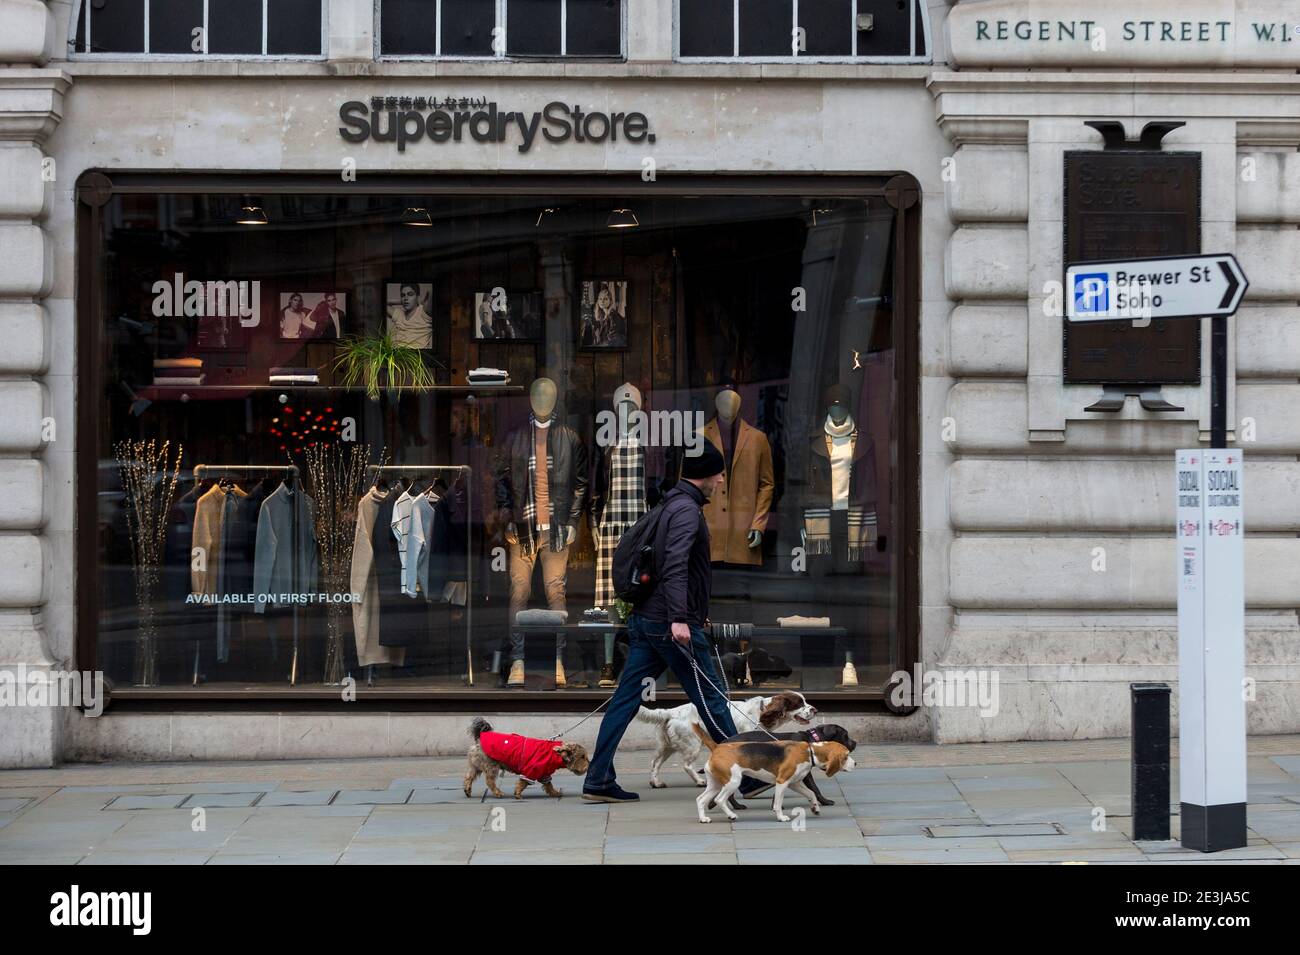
262,736
496,70
1105,496
31,102
994,572
1056,710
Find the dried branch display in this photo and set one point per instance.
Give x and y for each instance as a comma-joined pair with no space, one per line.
336,479
149,478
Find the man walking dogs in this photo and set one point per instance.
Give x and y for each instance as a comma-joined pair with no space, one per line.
671,620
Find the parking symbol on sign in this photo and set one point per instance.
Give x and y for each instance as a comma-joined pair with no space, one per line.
1090,294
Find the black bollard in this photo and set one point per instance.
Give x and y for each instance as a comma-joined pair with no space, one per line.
1150,794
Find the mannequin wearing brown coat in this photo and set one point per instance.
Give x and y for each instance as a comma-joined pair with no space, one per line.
737,512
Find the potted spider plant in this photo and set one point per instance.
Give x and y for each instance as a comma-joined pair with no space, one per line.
377,361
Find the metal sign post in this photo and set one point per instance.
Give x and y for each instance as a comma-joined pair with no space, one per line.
1209,536
1211,650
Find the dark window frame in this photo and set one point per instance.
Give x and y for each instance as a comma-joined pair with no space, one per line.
506,55
920,40
83,16
900,191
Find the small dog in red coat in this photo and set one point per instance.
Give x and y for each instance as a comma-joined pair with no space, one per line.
532,760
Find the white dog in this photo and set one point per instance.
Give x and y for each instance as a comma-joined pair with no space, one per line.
676,728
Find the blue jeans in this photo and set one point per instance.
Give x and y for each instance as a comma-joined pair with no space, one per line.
651,650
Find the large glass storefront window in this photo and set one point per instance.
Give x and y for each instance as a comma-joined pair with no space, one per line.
396,438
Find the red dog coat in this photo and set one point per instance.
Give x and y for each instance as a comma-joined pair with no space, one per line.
532,759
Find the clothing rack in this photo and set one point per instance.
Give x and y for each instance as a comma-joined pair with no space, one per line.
202,471
462,470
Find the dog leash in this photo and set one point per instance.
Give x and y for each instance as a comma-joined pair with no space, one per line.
560,734
700,673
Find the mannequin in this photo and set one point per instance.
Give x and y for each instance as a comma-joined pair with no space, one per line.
541,488
618,501
737,513
839,516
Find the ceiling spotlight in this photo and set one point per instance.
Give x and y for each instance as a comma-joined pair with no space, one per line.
250,214
417,216
622,219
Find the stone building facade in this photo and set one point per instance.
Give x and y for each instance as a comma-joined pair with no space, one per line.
1020,484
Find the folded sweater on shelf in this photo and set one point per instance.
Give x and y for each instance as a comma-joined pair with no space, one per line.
179,380
178,363
798,621
542,618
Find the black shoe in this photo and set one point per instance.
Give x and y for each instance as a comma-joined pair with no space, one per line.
611,793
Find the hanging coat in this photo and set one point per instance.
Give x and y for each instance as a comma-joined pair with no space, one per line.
365,582
285,561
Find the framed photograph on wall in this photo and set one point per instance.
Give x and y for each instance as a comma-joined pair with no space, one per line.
409,307
602,314
312,316
507,316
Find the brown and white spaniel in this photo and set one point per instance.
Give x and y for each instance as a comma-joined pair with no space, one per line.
784,763
675,728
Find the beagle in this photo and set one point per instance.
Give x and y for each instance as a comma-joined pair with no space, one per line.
784,763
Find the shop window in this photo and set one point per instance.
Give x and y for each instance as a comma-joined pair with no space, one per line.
171,23
823,24
764,27
707,28
466,28
501,28
594,28
266,516
533,27
190,28
793,29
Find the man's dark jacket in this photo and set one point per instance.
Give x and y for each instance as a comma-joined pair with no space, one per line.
566,479
681,560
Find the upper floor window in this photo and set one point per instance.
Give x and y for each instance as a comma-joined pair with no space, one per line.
200,28
784,30
501,28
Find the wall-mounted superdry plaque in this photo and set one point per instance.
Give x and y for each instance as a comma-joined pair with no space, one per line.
1132,204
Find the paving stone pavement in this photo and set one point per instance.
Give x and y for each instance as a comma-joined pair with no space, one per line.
905,804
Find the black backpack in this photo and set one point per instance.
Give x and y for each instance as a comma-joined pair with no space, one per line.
635,570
